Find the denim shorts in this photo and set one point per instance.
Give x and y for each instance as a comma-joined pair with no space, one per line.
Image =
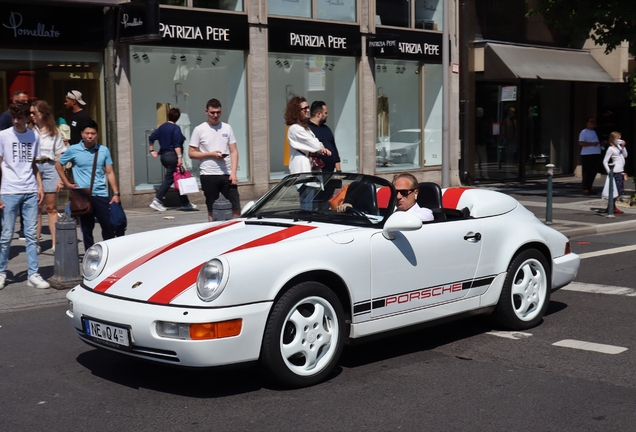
49,175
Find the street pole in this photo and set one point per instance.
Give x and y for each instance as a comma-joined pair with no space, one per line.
548,204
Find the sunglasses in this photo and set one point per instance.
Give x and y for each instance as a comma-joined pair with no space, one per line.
405,192
304,108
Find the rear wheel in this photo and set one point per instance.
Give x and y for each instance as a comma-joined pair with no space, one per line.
304,335
526,291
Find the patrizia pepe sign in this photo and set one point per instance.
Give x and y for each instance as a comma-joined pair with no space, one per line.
22,24
426,46
203,29
311,38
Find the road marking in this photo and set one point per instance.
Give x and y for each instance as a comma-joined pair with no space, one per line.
510,334
590,346
607,252
599,289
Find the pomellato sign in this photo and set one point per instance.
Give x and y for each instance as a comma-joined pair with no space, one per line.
23,24
311,38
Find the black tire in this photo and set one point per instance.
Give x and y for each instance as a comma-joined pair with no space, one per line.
304,336
526,292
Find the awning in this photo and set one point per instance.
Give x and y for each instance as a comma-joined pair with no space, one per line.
513,61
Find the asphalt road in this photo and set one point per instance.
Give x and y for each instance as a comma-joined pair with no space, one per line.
466,375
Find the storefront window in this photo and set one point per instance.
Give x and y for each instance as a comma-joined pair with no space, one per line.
433,114
232,5
399,135
332,80
398,13
163,77
339,10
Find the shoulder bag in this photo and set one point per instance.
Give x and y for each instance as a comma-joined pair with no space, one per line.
81,198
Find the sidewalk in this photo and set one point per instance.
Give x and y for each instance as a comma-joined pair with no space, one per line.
573,214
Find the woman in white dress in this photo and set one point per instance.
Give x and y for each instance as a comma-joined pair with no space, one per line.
302,140
51,147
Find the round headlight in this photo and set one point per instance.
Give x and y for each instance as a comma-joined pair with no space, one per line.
94,260
209,281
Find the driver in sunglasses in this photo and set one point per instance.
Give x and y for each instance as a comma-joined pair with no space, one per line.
407,188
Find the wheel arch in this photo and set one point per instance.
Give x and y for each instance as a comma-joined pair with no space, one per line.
330,279
542,248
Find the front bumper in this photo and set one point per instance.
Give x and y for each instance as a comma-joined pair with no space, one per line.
146,343
564,269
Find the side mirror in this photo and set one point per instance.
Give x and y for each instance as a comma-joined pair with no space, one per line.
400,221
246,207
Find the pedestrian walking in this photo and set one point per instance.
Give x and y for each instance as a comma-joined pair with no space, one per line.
21,189
82,157
51,147
171,155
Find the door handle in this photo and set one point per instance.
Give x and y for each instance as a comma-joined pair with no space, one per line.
473,238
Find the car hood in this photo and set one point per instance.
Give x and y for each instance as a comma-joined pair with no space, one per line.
160,266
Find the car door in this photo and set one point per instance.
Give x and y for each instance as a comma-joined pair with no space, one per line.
418,269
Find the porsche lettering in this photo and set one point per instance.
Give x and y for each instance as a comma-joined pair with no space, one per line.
424,294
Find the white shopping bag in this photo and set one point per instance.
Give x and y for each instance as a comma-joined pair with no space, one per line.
605,193
188,185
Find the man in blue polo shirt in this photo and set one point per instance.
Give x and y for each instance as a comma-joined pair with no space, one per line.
82,155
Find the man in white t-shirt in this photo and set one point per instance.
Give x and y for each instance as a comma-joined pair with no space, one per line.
590,155
21,189
213,143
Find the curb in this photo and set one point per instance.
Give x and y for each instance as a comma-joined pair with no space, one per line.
599,229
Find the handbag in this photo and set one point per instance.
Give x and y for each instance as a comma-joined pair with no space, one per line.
81,201
316,163
181,173
118,219
605,193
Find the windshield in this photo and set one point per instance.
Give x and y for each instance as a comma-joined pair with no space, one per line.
352,199
406,136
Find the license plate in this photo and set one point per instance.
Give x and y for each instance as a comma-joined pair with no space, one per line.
108,333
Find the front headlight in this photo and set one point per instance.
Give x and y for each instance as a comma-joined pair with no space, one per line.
94,261
210,282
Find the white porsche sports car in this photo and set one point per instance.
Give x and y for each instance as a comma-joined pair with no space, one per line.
293,279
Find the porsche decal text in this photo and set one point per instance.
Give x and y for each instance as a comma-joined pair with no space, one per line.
423,294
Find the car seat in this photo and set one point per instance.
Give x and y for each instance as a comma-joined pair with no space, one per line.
362,197
430,196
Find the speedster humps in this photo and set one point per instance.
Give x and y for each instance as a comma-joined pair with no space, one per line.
296,277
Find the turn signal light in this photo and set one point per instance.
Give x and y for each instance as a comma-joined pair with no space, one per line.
218,330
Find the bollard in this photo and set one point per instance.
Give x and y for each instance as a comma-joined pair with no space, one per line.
66,271
548,203
610,198
221,209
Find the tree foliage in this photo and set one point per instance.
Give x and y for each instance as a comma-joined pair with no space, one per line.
606,22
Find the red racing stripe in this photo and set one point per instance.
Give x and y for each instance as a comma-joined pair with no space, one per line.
166,294
104,285
451,197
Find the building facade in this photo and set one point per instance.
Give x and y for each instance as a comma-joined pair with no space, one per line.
377,64
527,92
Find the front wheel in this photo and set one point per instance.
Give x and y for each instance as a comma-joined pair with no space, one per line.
304,335
526,291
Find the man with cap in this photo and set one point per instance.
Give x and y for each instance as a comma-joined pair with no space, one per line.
80,118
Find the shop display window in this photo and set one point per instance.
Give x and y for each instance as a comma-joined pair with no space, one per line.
332,80
232,5
398,136
422,14
164,77
334,10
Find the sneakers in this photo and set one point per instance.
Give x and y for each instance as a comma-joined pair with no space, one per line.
21,235
156,204
36,281
3,279
188,207
617,211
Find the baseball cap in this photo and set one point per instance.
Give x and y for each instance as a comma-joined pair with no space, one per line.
76,95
